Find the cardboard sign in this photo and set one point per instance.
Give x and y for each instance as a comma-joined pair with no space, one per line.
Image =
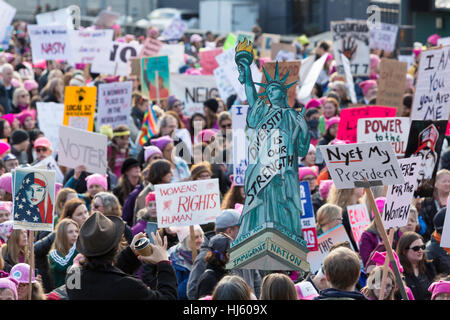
82,147
358,216
350,164
432,95
307,218
175,30
57,17
348,125
266,44
383,37
325,241
33,199
175,52
240,143
114,103
116,59
187,203
391,84
304,95
193,91
443,41
425,141
49,42
50,164
79,108
223,85
208,60
230,42
395,130
7,14
445,239
283,52
89,45
151,48
283,67
399,196
349,78
155,77
351,38
50,116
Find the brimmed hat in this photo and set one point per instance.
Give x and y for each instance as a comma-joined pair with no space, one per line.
220,243
305,290
43,142
128,164
99,234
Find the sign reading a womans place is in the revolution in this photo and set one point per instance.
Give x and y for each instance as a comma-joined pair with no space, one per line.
114,103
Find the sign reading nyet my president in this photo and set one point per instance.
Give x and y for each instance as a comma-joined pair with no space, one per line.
351,164
187,203
82,147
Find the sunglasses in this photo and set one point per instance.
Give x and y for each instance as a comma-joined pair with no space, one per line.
41,149
417,248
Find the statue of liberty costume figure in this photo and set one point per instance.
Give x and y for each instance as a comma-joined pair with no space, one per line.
278,135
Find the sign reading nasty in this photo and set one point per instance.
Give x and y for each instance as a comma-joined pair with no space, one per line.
49,42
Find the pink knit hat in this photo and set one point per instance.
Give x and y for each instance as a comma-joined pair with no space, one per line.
313,103
30,85
151,196
26,114
150,151
42,64
307,171
433,39
366,85
9,283
15,83
379,257
380,201
9,117
6,182
97,179
21,273
6,206
4,147
324,188
417,52
439,287
331,121
205,135
374,60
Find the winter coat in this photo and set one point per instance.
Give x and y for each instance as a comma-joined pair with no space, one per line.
336,294
427,211
128,207
59,265
41,250
419,285
440,257
182,263
209,279
368,242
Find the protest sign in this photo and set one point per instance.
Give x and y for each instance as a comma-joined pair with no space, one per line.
351,38
230,42
114,103
151,48
79,107
383,36
409,59
432,94
187,203
116,59
391,83
155,77
293,67
175,52
443,41
106,19
349,78
33,199
50,164
82,147
135,64
395,130
304,94
223,85
7,38
89,45
208,60
193,91
348,124
399,197
283,52
350,164
267,40
307,218
425,141
7,13
49,42
358,215
305,67
50,116
175,30
445,239
240,143
57,17
324,243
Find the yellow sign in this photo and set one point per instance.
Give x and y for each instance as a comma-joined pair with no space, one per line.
79,107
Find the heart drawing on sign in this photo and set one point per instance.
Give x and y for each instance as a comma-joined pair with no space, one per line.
167,204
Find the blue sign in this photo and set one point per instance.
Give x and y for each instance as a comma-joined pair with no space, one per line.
305,196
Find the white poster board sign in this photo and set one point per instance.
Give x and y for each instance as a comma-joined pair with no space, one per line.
49,42
50,164
175,52
383,36
445,239
240,143
187,203
57,17
114,103
223,85
114,60
50,116
358,215
349,79
304,95
89,45
175,30
7,13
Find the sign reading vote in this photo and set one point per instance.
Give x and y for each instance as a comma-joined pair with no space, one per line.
82,147
349,165
307,218
187,203
358,216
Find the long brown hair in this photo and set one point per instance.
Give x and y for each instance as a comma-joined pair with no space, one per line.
70,207
61,243
278,286
403,246
340,197
61,199
13,250
232,197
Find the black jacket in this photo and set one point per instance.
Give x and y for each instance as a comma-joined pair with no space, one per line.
419,285
6,98
335,294
41,250
440,257
427,211
209,279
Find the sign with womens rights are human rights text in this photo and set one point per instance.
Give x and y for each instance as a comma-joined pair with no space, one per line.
352,165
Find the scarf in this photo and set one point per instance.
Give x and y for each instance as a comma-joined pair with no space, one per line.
437,237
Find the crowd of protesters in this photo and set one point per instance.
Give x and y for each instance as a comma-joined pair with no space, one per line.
101,218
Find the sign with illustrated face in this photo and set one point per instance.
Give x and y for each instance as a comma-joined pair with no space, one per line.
155,77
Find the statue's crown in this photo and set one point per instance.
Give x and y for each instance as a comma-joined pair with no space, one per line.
244,45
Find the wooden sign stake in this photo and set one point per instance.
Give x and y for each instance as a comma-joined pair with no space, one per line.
31,256
192,243
385,267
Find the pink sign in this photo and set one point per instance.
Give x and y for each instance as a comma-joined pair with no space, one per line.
448,129
208,60
151,48
349,119
359,220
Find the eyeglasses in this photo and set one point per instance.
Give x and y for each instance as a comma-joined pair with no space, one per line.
417,248
41,149
226,125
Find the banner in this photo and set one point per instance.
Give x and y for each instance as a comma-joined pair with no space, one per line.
395,130
187,203
116,59
391,84
208,60
223,85
240,143
49,42
432,95
304,94
175,52
307,218
359,218
50,117
383,37
193,91
114,103
351,38
175,30
399,197
33,199
305,67
90,45
155,77
82,147
79,107
348,124
445,239
283,52
425,141
57,17
325,241
350,164
266,44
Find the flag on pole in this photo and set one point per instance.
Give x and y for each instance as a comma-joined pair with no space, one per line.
149,128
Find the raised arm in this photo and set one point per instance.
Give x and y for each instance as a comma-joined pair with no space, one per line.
245,77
